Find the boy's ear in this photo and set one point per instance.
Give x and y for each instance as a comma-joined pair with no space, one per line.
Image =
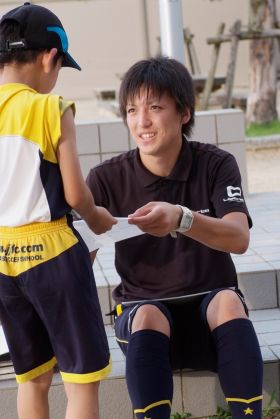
47,59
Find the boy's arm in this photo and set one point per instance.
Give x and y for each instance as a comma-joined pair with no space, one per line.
76,192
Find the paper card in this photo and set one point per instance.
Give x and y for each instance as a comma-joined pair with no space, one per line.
120,231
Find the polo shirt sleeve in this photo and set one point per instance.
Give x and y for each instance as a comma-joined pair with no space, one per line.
97,188
226,189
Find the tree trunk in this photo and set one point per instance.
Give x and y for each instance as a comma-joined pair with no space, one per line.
261,103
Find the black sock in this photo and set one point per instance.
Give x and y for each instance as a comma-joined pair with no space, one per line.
240,367
149,375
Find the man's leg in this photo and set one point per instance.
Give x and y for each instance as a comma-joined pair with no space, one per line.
148,370
82,400
32,398
239,358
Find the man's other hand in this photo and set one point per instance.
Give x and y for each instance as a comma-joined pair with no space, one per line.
156,218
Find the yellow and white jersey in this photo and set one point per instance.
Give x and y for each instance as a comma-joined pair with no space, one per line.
30,128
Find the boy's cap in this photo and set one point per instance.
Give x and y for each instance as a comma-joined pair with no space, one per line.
40,28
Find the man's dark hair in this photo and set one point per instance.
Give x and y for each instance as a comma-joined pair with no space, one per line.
10,31
160,75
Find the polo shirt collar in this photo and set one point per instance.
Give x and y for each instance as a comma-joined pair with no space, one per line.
180,171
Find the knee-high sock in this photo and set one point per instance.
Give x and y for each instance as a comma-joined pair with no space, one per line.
149,375
240,367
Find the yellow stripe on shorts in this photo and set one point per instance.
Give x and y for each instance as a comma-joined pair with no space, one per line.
24,247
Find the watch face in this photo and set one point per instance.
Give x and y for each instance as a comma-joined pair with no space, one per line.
186,220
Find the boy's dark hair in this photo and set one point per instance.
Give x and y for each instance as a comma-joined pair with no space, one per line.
160,75
10,30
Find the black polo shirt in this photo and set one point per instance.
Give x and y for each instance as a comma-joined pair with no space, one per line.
205,179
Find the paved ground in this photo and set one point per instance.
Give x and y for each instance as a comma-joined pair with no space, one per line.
263,168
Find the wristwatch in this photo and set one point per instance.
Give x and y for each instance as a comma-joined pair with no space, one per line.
185,222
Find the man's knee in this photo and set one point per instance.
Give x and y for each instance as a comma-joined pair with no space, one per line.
149,316
225,306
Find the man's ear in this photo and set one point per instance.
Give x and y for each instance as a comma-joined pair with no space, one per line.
186,116
47,59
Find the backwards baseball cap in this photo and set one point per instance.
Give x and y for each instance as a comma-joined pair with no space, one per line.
39,28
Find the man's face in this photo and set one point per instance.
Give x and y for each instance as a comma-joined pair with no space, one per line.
155,123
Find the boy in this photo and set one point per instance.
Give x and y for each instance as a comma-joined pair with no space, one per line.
187,196
48,301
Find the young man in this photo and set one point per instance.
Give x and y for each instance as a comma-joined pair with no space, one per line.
48,301
187,196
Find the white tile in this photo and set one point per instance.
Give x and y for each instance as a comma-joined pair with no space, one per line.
87,138
113,137
114,399
253,268
105,256
112,276
267,326
116,354
259,289
244,259
201,393
100,280
87,162
108,156
230,127
271,338
263,315
267,354
276,350
107,264
205,128
238,150
272,258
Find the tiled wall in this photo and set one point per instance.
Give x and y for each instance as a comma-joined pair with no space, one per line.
98,141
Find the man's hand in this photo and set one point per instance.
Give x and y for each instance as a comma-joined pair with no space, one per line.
102,220
227,234
156,218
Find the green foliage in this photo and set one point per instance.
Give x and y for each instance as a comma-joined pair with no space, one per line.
272,411
180,415
221,413
261,130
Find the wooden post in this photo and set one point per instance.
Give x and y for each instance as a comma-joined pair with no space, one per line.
211,74
246,35
194,64
231,67
262,98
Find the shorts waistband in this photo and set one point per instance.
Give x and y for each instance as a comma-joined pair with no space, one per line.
33,228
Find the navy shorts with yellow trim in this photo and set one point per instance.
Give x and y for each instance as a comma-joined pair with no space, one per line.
49,306
191,344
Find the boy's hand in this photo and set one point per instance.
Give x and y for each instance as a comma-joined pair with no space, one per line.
102,221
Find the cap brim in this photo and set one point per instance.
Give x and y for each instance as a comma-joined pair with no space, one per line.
70,62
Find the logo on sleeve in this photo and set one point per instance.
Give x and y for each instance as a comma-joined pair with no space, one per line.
233,194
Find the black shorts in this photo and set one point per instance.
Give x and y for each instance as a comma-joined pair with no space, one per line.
191,344
49,306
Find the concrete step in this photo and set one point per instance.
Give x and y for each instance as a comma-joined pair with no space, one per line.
196,392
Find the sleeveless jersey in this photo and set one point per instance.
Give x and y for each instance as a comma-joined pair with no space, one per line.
30,127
